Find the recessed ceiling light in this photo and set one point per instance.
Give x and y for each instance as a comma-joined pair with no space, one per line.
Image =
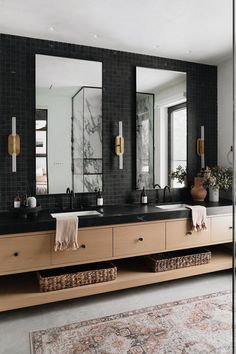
156,46
95,35
188,51
51,28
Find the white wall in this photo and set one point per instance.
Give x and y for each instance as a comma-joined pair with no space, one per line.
225,110
59,107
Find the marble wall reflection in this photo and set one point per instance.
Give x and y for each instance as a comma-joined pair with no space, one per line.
144,140
87,140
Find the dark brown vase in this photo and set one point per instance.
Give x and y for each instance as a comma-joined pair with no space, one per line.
198,192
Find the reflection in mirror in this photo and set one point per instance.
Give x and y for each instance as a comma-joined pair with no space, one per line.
68,125
87,139
161,127
41,150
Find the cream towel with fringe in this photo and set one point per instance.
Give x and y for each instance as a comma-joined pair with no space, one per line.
199,217
66,233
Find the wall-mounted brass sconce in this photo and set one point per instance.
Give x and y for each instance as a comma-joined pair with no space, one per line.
119,146
201,147
13,144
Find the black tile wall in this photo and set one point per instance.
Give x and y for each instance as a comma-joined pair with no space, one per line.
17,98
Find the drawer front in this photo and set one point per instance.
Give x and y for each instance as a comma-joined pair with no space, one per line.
221,228
140,239
178,235
24,252
94,245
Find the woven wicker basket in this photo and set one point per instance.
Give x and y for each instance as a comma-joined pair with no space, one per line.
69,277
162,262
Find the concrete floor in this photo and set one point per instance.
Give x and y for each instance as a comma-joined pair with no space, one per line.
15,326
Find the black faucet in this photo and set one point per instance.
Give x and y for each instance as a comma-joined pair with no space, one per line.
72,196
164,193
157,194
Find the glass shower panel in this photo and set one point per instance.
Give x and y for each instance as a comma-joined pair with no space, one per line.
87,140
144,140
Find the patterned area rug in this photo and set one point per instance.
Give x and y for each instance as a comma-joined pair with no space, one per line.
199,325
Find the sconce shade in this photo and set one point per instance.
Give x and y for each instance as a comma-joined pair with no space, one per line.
119,145
201,147
13,144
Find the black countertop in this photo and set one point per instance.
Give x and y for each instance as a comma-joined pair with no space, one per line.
119,214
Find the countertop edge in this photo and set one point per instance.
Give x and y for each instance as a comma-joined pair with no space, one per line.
115,215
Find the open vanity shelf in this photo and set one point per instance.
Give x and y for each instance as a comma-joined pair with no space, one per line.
119,243
22,290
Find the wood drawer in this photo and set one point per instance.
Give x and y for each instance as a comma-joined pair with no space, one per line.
140,239
94,245
178,235
221,228
22,253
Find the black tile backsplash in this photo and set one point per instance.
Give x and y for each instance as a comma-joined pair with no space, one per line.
17,98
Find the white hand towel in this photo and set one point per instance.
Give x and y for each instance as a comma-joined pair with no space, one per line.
199,217
66,233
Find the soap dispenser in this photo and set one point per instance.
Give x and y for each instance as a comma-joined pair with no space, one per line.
99,198
144,198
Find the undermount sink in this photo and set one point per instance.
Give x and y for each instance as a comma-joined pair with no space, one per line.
172,207
77,213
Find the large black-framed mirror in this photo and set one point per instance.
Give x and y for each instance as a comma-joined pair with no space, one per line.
68,149
161,127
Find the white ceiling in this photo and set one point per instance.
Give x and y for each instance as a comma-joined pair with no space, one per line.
193,30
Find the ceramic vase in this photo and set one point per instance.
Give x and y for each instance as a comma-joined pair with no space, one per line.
31,202
214,194
198,192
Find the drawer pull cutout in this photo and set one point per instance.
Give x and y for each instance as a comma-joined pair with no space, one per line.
189,233
83,246
140,239
230,227
16,254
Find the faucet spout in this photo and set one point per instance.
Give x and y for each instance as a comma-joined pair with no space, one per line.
164,193
71,193
156,187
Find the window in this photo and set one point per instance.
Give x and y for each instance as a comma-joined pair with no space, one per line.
177,131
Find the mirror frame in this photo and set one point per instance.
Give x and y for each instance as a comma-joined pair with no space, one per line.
32,187
185,71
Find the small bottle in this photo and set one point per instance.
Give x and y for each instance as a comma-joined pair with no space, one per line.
24,202
17,201
144,198
99,198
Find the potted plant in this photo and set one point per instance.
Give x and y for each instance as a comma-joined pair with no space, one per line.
216,178
179,174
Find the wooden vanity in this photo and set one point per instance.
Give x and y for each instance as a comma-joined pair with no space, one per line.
22,254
